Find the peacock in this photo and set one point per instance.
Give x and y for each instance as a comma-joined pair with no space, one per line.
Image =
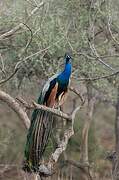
52,95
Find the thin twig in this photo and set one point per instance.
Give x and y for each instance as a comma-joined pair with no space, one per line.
18,64
3,66
9,77
20,26
77,93
98,57
28,42
97,78
36,54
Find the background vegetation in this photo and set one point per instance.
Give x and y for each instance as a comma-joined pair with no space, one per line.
88,30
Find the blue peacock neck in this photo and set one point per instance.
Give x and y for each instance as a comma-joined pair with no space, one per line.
64,77
67,70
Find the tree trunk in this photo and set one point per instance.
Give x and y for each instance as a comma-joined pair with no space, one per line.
115,156
85,132
117,123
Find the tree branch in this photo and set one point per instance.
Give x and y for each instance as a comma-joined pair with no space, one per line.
34,105
67,135
98,57
9,77
12,103
77,93
98,78
19,26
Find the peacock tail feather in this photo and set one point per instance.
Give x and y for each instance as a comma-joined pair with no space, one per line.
37,138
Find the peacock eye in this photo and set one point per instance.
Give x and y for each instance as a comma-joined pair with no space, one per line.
68,57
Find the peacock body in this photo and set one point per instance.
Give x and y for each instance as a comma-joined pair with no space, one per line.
52,95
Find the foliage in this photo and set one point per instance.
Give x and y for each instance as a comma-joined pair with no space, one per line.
86,29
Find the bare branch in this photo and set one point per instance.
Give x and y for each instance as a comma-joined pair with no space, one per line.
92,45
97,78
98,57
3,66
23,51
8,78
53,111
62,145
28,42
44,108
17,66
56,112
19,26
36,54
16,107
11,32
109,24
67,134
77,93
93,57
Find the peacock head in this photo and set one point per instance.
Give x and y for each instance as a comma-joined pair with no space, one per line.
67,58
